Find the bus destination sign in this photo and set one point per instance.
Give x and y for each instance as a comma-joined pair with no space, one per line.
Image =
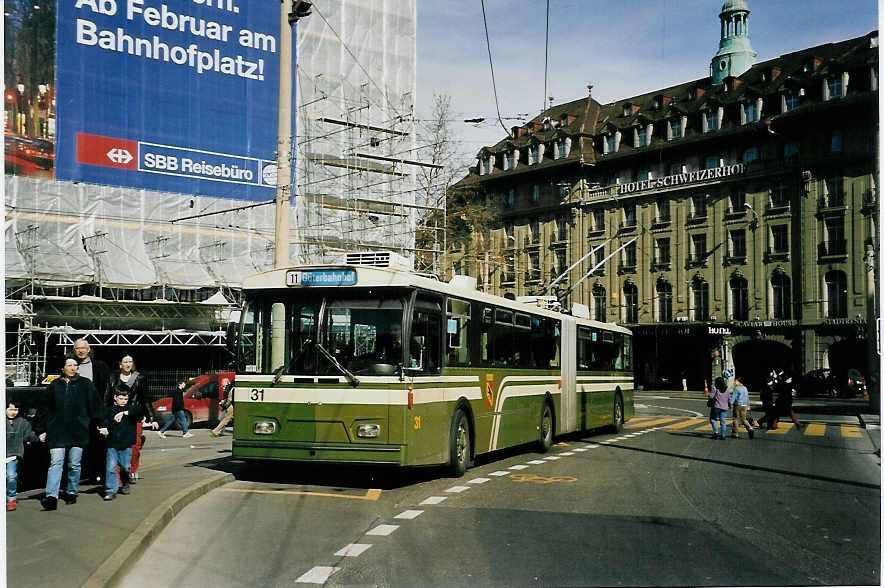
343,277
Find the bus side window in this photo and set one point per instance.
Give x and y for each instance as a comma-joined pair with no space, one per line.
503,338
425,346
486,340
584,348
522,341
458,332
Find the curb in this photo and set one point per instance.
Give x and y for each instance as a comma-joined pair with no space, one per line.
111,572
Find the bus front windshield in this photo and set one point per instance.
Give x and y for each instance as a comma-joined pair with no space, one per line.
322,335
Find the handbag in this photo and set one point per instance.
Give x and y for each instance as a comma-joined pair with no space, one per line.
710,402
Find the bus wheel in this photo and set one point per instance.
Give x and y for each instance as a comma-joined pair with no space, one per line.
460,444
617,423
546,428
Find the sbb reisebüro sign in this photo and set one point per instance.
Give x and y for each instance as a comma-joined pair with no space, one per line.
172,95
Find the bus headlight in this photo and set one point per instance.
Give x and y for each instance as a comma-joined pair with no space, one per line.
264,428
368,431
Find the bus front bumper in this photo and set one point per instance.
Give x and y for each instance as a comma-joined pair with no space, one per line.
318,452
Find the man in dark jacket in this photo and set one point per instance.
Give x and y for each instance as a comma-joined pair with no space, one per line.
73,408
98,372
119,427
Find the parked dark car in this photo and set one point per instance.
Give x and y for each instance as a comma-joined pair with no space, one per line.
824,382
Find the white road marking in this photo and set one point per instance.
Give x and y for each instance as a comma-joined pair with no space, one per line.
479,480
318,575
552,458
592,446
434,500
353,550
383,530
458,489
567,453
536,462
499,473
409,514
580,449
519,467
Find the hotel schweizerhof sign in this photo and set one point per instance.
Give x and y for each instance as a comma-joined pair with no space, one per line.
700,175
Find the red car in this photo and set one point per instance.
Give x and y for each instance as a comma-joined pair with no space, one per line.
201,397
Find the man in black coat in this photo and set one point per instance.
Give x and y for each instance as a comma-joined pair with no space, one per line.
99,373
73,409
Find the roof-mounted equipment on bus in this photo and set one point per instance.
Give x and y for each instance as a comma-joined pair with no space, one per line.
387,259
547,302
463,282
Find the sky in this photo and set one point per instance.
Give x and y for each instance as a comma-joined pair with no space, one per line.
622,47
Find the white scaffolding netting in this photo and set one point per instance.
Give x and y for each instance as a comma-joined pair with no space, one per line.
356,68
355,128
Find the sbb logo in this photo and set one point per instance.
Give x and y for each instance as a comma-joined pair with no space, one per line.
158,161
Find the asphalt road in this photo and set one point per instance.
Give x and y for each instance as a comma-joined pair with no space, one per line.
661,504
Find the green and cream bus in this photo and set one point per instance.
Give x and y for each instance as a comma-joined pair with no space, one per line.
367,362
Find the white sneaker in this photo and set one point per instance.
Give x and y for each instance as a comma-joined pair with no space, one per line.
161,434
187,434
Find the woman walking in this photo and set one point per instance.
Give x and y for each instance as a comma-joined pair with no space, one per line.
720,396
73,408
129,378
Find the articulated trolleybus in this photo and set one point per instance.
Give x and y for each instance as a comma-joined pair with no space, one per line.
367,362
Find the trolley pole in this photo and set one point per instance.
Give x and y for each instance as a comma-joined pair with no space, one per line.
288,16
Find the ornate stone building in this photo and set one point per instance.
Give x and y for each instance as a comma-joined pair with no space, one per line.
730,212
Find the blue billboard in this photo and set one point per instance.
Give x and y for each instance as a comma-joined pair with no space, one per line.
171,95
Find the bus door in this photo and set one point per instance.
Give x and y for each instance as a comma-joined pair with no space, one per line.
568,420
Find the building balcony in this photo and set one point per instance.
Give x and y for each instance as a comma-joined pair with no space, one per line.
696,261
696,218
662,221
735,259
627,227
777,208
661,265
830,202
833,249
735,214
626,268
772,255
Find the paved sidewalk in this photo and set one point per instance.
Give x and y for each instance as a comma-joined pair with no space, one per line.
92,543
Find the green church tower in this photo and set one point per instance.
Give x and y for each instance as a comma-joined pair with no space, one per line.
735,54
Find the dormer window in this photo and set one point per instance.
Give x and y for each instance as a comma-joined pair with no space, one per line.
675,128
790,101
640,137
611,142
627,110
835,86
485,165
561,147
750,111
511,159
711,120
535,153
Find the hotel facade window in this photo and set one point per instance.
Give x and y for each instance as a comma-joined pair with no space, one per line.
751,154
737,243
600,259
698,248
661,251
674,128
629,256
664,301
630,296
739,291
700,295
698,206
663,211
598,219
781,296
629,215
779,195
737,201
833,88
789,101
834,191
535,193
779,239
511,198
835,243
836,294
836,143
711,120
599,301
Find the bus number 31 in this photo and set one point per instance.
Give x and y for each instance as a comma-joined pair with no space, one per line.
256,394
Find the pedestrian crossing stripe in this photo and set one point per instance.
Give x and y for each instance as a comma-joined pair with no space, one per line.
851,431
702,425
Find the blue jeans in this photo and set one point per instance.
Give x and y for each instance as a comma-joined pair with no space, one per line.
718,416
12,479
114,457
56,463
178,415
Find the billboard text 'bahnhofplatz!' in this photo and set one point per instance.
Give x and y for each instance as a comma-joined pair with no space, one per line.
176,96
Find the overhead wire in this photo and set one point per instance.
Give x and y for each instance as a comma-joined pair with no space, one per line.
491,64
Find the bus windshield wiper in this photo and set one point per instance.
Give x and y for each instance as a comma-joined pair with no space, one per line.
354,381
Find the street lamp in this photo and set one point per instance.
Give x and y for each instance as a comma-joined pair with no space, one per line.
754,223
